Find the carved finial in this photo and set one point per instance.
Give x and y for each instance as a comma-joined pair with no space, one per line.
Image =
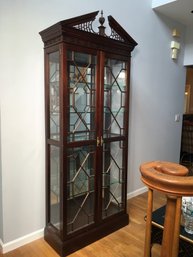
102,19
101,27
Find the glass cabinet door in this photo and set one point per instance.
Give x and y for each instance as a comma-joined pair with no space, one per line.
113,134
82,133
114,98
82,96
54,104
54,136
80,187
55,186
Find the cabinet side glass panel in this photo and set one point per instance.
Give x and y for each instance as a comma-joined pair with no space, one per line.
82,96
55,186
54,106
113,178
114,98
80,187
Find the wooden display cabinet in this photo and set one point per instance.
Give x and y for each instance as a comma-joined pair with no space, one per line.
86,111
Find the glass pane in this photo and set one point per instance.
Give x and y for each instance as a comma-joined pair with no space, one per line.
113,178
82,96
114,98
54,68
80,187
55,186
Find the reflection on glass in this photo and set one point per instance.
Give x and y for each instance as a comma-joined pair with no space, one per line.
114,98
82,91
113,178
80,187
54,95
55,186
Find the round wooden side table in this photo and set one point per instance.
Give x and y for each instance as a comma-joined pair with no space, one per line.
172,180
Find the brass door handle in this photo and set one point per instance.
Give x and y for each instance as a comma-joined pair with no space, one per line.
102,141
99,141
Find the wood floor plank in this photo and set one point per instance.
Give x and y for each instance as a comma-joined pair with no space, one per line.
126,242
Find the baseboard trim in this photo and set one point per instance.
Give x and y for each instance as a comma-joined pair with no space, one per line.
137,192
4,248
21,241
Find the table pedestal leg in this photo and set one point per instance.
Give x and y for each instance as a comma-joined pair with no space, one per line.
170,241
147,248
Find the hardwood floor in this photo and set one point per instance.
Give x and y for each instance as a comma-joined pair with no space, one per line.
126,242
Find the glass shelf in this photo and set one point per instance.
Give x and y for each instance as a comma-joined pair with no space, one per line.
120,88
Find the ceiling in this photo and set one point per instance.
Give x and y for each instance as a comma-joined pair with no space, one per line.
179,10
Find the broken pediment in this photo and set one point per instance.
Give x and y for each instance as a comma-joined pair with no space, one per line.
82,26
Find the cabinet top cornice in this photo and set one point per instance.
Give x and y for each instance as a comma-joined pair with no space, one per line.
77,27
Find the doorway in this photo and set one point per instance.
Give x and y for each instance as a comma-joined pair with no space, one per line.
188,95
186,155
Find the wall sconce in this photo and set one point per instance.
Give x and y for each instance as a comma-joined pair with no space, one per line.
175,33
175,46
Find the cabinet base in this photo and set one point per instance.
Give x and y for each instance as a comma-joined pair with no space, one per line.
80,240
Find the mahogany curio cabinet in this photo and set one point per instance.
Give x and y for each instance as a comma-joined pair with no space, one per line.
87,108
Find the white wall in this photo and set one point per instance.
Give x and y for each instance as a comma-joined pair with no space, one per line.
22,119
1,191
188,57
157,88
156,94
